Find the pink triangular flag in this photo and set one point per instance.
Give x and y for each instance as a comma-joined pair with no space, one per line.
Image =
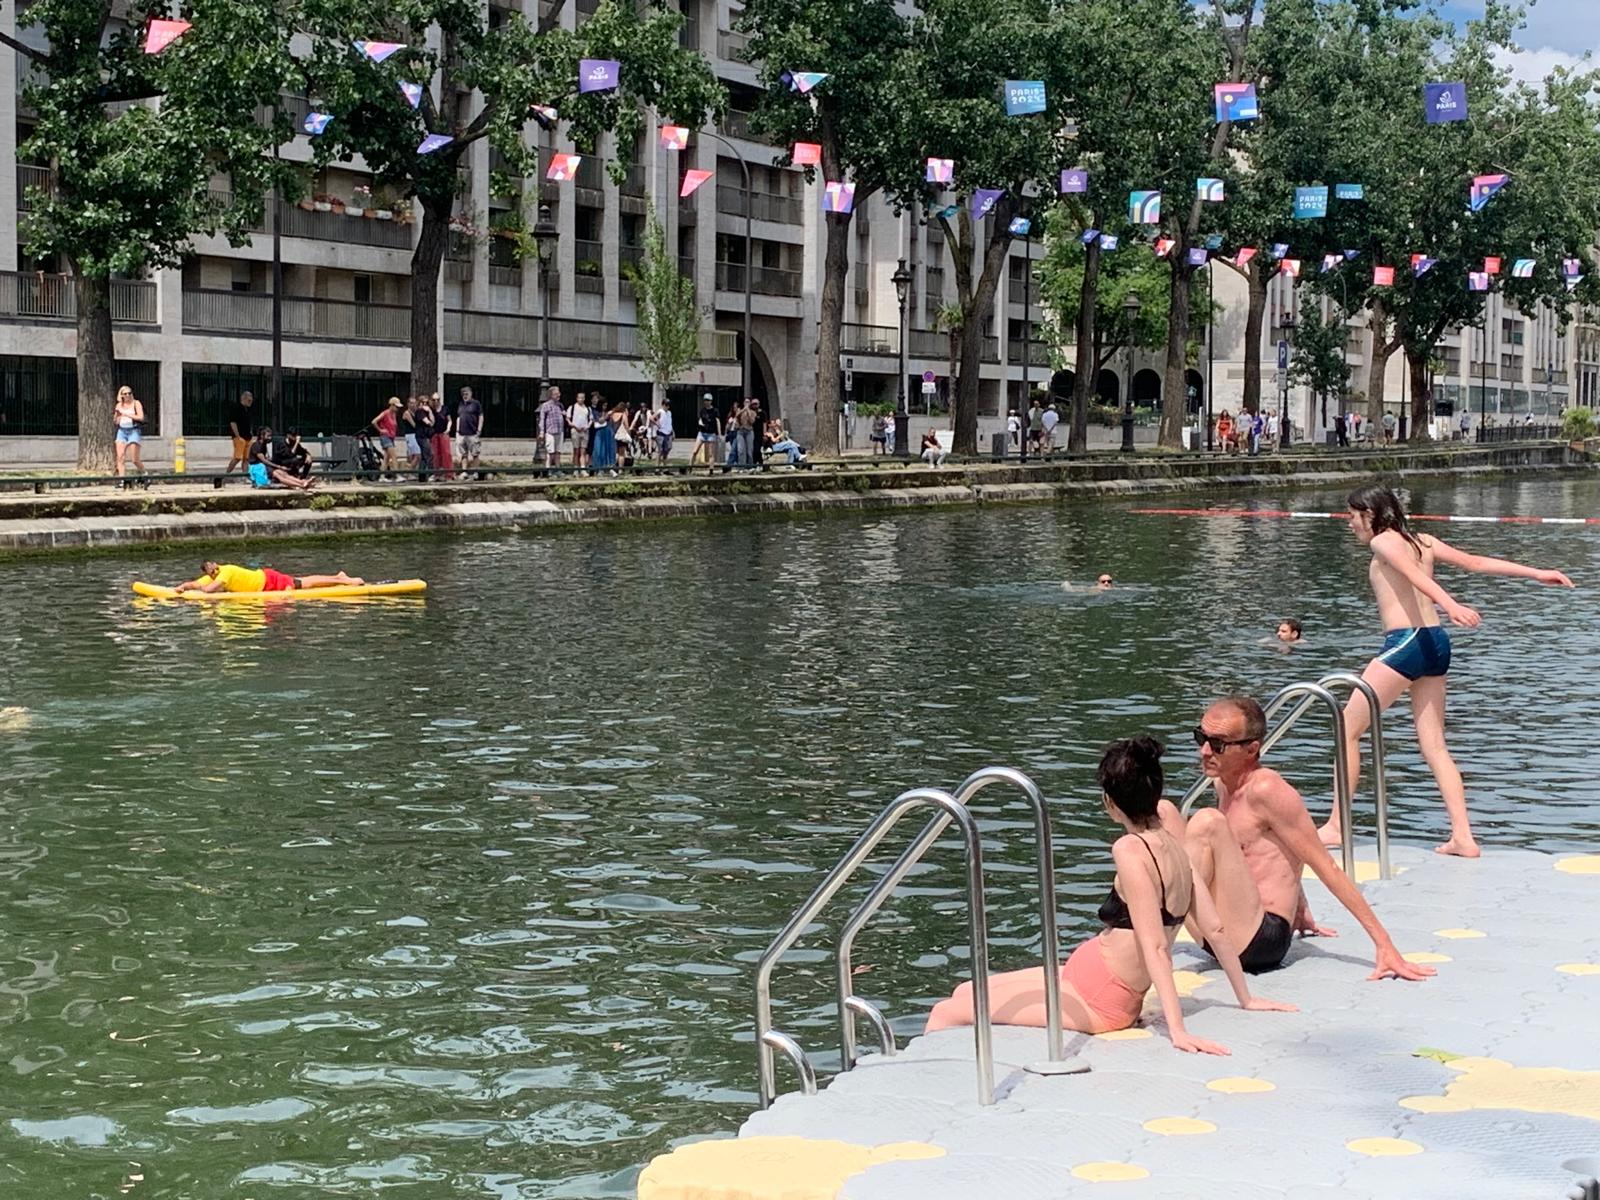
807,154
1164,247
413,92
1244,256
692,179
563,166
162,34
674,137
1290,267
378,51
1382,276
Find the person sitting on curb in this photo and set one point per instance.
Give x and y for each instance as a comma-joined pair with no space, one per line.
933,451
264,472
228,577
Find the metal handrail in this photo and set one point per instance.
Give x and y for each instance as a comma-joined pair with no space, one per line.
1307,694
767,1038
1380,780
1050,950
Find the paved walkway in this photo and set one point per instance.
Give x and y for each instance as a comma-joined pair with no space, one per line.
1481,1084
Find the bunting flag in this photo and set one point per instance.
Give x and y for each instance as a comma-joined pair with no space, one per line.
1351,255
1382,276
806,154
1290,267
1483,190
1246,253
1236,102
412,92
544,115
1024,96
983,199
1523,268
434,141
162,34
1310,203
692,178
1108,242
1089,237
1572,267
1209,190
1019,227
598,74
1421,264
1330,261
949,211
941,170
563,166
316,122
1443,102
378,51
1491,266
1573,281
1477,281
1214,241
1074,181
803,82
1164,247
674,137
1198,257
1349,191
1144,208
838,197
1279,249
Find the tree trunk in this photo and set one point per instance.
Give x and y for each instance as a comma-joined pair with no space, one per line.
426,261
97,368
836,262
1084,361
1378,328
1421,402
1254,318
1174,388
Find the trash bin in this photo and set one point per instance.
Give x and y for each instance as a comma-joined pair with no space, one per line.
997,447
1331,436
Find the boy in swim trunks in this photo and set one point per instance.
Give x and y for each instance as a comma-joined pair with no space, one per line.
1250,849
226,577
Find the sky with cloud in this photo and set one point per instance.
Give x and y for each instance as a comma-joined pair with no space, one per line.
1558,33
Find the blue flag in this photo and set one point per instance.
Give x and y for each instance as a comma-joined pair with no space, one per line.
1310,203
1444,102
1349,191
1024,96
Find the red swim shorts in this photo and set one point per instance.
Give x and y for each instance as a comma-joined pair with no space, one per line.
277,581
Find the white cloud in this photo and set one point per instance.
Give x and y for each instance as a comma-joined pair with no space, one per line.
1532,66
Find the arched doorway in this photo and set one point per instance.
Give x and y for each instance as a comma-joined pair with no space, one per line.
1061,386
1108,389
1195,385
1147,388
762,385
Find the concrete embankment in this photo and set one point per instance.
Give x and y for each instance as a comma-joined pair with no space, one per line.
67,518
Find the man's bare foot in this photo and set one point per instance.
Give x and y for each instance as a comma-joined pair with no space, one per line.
1462,847
1330,835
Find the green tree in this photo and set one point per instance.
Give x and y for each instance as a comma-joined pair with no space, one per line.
858,115
133,141
481,81
1319,360
668,320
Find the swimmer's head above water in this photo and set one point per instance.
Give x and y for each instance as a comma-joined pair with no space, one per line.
1103,583
1289,631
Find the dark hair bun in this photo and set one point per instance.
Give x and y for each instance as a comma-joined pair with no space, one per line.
1130,773
1145,749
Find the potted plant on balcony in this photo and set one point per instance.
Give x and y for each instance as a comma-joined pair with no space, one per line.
322,202
360,202
588,267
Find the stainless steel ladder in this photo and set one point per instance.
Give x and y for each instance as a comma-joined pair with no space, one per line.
949,807
1304,697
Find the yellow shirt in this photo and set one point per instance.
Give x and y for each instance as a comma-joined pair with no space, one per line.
239,579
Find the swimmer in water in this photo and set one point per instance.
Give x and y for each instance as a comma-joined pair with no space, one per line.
1416,648
1104,981
14,716
1101,584
226,577
1289,631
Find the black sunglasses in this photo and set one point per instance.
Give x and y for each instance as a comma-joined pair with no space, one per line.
1219,743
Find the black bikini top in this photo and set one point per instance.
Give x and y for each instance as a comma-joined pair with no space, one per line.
1114,910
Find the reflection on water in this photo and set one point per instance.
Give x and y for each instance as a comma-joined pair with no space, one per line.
466,892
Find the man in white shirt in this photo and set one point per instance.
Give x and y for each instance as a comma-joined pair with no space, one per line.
664,432
1050,420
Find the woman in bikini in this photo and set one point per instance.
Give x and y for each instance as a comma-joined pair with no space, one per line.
1416,649
1104,981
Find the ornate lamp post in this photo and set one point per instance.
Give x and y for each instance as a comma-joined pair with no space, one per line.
902,432
1130,313
544,237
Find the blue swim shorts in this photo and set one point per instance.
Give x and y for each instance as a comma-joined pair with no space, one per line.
1418,652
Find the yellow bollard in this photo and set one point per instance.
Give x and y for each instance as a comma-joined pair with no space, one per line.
178,452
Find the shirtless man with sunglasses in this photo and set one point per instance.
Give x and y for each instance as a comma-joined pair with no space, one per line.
1250,849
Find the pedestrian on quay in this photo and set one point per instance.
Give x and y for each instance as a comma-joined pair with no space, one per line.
730,436
745,421
1036,426
387,424
1051,419
1341,429
603,456
552,423
241,424
580,419
128,414
705,438
878,434
424,421
622,431
469,430
663,424
408,426
443,428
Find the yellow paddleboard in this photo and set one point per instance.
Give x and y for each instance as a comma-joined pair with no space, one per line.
398,587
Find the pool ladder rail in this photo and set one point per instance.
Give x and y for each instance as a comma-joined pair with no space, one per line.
951,807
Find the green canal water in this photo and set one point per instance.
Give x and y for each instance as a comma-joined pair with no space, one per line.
461,898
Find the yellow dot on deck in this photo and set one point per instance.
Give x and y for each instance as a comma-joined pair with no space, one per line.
1459,933
1583,864
1383,1147
1426,956
1124,1035
1434,1104
764,1168
1109,1172
1579,968
1240,1084
1178,1126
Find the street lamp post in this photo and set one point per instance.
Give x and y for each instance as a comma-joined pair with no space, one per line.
1483,375
544,238
902,433
1130,311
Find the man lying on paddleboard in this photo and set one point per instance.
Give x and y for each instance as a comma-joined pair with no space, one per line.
226,577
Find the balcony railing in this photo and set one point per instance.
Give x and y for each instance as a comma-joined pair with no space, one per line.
598,339
585,251
869,339
764,206
337,227
689,34
1039,353
458,270
207,310
736,123
764,281
33,296
929,343
731,45
36,178
500,276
